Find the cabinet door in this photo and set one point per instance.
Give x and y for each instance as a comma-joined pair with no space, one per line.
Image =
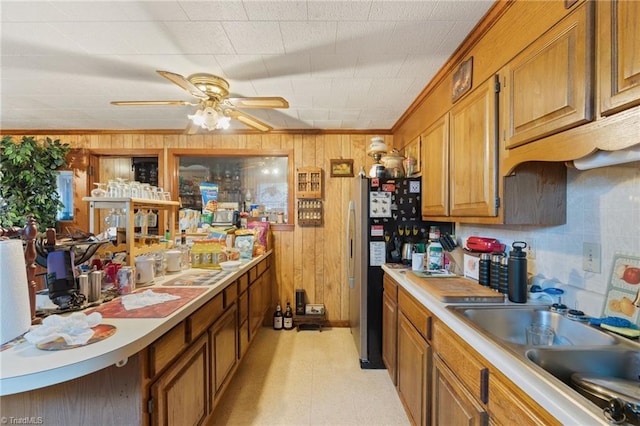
435,168
414,365
224,342
619,61
452,404
472,157
389,335
255,306
181,394
548,87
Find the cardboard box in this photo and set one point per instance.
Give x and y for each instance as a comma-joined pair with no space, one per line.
471,266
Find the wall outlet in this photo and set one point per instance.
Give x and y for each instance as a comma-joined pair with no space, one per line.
532,246
591,257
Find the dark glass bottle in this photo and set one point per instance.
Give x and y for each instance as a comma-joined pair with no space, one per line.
277,318
288,318
518,273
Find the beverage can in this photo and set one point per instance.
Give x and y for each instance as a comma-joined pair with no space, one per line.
126,278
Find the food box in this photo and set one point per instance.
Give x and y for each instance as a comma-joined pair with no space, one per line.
471,266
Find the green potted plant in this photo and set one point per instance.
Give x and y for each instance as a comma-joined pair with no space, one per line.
28,173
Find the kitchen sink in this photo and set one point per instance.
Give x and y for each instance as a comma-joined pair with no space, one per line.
509,324
623,363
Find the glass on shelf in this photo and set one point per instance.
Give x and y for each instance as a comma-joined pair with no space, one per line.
100,191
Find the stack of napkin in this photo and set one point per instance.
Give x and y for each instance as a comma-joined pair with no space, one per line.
75,329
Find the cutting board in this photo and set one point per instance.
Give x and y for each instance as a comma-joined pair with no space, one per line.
456,289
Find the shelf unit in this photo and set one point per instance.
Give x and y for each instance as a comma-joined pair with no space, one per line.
309,212
167,214
309,186
309,182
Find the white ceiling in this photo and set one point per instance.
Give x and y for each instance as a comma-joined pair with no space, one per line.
340,64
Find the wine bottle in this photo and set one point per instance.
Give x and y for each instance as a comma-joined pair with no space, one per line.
288,318
277,318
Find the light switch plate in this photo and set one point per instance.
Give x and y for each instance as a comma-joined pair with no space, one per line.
591,257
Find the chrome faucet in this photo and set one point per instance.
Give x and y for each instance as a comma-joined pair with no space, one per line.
636,301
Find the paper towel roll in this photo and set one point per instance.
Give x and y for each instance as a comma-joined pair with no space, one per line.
14,295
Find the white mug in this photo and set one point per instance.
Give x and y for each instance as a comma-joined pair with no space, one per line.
145,270
417,261
173,260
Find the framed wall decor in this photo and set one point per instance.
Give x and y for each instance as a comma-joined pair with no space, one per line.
462,79
341,167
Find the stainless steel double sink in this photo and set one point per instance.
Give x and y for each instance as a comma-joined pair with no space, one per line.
577,347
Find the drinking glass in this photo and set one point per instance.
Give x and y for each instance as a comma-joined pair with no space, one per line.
99,191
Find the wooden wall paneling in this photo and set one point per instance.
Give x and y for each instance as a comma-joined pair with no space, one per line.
333,236
254,142
306,244
320,232
271,141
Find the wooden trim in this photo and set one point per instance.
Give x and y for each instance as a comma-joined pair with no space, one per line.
38,132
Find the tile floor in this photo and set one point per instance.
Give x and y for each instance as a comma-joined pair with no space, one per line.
308,378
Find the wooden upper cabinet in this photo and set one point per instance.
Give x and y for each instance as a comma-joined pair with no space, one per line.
472,153
435,168
548,87
619,55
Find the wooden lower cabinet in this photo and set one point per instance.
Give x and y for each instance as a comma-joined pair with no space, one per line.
414,371
390,326
452,403
180,395
223,337
462,372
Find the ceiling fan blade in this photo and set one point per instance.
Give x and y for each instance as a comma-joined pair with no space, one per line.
184,83
264,102
192,128
248,120
140,103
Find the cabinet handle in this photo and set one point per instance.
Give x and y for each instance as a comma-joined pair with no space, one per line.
429,327
484,385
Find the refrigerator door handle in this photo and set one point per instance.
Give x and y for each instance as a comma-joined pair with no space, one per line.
351,217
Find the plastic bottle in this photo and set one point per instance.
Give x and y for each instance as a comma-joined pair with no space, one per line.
518,273
288,318
277,318
435,256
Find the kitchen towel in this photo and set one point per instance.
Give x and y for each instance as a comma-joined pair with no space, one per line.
14,294
146,298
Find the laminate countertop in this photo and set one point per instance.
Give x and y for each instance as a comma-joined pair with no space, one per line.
565,404
25,367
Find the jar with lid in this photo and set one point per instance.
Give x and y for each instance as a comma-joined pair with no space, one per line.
435,256
393,164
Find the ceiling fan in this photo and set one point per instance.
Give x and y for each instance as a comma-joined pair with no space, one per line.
215,108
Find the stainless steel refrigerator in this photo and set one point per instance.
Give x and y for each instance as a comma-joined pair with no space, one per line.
382,215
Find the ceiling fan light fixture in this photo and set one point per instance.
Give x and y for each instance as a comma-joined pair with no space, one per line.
210,119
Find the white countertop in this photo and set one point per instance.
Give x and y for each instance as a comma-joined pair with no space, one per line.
25,367
558,399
